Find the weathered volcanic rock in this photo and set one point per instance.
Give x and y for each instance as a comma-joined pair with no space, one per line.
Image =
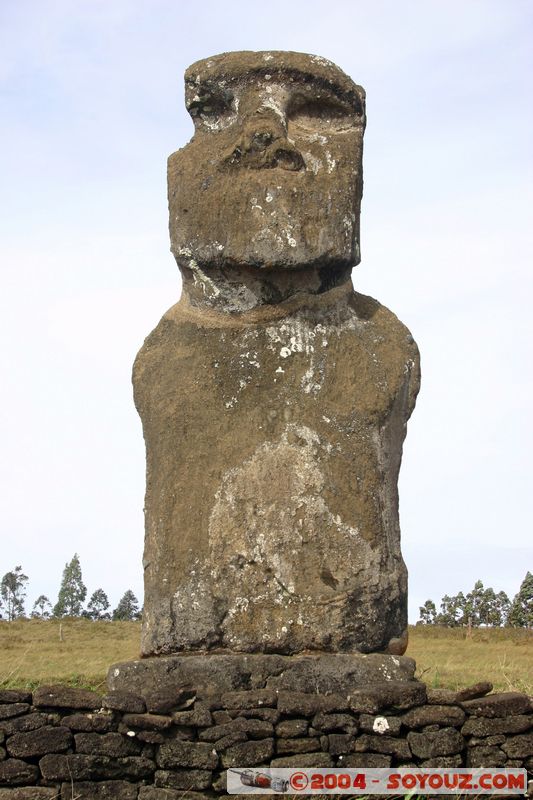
89,768
519,746
107,744
59,696
387,745
433,715
197,755
124,701
272,177
274,398
392,694
430,744
14,696
48,739
32,793
288,554
288,529
28,722
98,790
504,704
14,771
483,726
388,679
185,779
89,723
10,710
303,760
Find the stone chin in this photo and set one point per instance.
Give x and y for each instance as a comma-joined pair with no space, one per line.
263,218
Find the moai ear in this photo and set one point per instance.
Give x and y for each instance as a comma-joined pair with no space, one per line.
360,102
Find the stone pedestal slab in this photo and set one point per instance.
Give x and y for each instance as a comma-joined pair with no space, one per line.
216,673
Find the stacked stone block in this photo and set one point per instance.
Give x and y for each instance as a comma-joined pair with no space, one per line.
69,743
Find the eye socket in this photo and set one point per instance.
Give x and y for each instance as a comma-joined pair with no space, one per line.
211,107
321,113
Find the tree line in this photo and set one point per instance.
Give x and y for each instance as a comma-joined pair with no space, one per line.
482,606
70,600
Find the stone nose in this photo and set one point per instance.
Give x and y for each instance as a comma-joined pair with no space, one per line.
260,132
264,145
260,140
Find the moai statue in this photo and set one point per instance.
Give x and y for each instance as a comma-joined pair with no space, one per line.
274,398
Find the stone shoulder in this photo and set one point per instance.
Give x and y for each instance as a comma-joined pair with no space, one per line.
385,322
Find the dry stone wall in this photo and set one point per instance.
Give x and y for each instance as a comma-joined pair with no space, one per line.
69,743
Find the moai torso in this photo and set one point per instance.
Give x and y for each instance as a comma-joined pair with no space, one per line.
274,398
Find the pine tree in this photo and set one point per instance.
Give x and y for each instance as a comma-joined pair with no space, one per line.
13,593
451,610
521,613
494,608
42,608
474,604
460,609
98,605
72,592
428,613
128,607
504,605
488,607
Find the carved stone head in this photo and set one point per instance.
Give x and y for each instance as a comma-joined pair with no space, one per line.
272,177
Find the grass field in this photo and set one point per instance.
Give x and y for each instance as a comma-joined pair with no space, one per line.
448,657
32,653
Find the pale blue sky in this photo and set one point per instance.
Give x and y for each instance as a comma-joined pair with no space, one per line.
92,104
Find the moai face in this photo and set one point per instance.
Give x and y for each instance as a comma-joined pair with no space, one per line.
272,177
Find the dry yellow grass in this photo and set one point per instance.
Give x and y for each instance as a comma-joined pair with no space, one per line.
31,653
450,658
